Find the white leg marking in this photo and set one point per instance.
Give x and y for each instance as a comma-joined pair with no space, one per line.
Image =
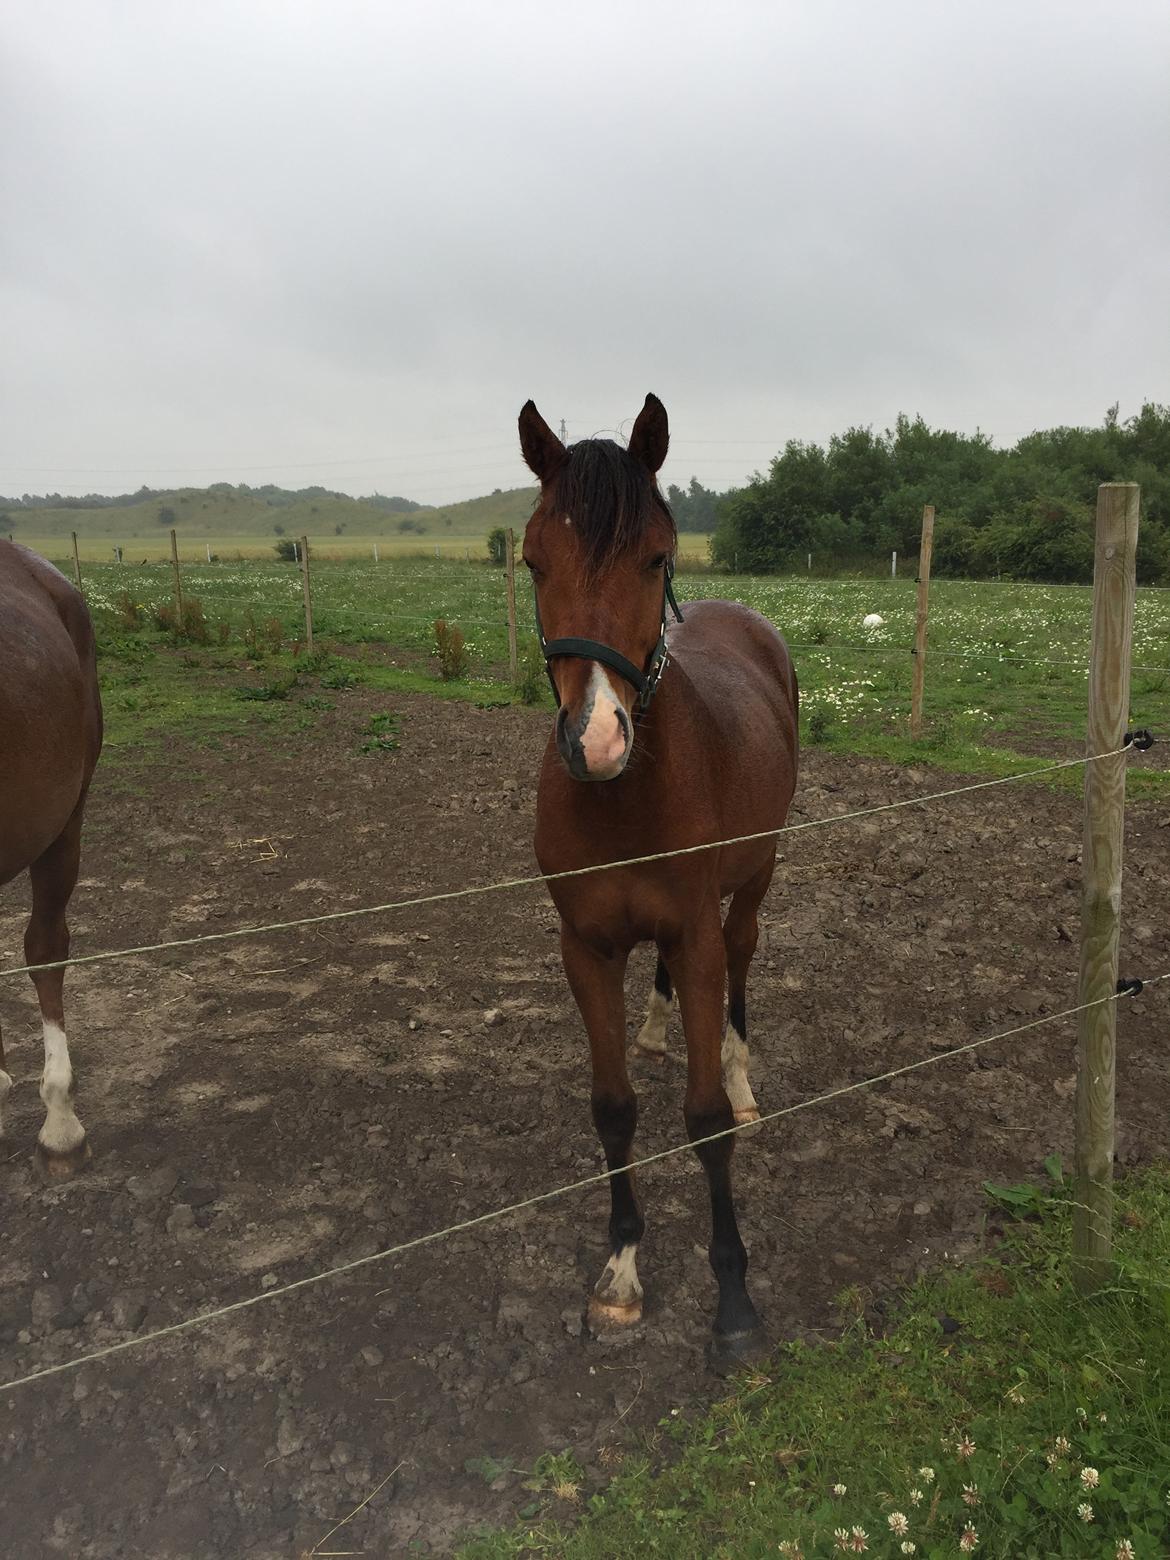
605,740
62,1132
618,1286
652,1035
5,1085
735,1078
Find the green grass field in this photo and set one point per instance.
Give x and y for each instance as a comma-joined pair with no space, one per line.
1006,667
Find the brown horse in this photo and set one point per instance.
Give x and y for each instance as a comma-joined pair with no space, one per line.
50,737
694,743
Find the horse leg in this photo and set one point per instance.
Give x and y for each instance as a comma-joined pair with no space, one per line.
597,984
741,932
698,967
61,1145
651,1038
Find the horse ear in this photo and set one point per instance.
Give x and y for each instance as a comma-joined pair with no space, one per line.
542,449
651,436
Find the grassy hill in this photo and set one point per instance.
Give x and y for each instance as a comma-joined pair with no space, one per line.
231,522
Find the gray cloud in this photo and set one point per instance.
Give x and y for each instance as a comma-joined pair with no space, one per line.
343,243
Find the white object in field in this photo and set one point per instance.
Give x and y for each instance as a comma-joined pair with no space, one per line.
872,620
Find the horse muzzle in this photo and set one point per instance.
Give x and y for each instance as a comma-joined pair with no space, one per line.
596,743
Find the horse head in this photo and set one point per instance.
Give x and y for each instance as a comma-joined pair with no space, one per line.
600,548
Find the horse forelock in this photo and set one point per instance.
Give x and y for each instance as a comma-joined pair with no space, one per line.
609,498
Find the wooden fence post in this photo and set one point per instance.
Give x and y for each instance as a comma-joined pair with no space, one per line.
178,582
308,594
76,562
925,548
1113,597
510,570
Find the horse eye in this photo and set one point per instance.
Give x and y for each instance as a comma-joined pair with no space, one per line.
657,563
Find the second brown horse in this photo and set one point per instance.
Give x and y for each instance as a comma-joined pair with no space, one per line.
661,742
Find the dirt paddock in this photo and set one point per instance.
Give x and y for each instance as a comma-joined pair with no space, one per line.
262,1110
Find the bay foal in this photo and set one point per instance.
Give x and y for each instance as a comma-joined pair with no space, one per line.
50,737
652,752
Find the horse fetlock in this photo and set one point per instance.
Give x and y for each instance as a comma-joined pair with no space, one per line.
651,1038
735,1079
731,1351
617,1295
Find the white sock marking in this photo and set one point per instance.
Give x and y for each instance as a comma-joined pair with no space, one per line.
619,1285
735,1080
62,1132
5,1085
652,1035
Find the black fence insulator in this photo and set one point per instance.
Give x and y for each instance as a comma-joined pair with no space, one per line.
1130,988
1141,739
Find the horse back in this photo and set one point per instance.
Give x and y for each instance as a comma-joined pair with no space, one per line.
50,707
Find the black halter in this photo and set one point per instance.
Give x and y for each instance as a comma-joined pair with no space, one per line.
645,682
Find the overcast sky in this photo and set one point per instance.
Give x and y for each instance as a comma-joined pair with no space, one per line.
342,243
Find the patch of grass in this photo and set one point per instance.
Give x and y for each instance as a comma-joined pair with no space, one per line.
381,734
262,693
986,713
995,1401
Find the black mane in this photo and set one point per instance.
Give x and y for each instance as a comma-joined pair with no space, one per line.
609,496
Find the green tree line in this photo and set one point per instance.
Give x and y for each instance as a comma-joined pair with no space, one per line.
1023,513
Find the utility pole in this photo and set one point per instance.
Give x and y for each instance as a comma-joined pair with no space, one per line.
563,435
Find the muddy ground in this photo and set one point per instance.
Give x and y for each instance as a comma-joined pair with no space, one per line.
263,1110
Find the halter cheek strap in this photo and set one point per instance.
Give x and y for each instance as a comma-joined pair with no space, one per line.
645,682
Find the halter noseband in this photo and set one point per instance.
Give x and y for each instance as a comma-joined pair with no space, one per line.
646,683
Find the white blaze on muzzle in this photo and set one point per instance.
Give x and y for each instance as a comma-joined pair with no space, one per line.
605,737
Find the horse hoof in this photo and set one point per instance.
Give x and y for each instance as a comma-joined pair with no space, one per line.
730,1352
54,1165
652,1053
744,1118
605,1315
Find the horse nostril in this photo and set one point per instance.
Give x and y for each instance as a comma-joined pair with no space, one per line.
562,729
623,721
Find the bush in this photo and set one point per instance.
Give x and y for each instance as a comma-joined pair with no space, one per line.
497,546
195,626
532,679
286,550
451,651
128,610
817,725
